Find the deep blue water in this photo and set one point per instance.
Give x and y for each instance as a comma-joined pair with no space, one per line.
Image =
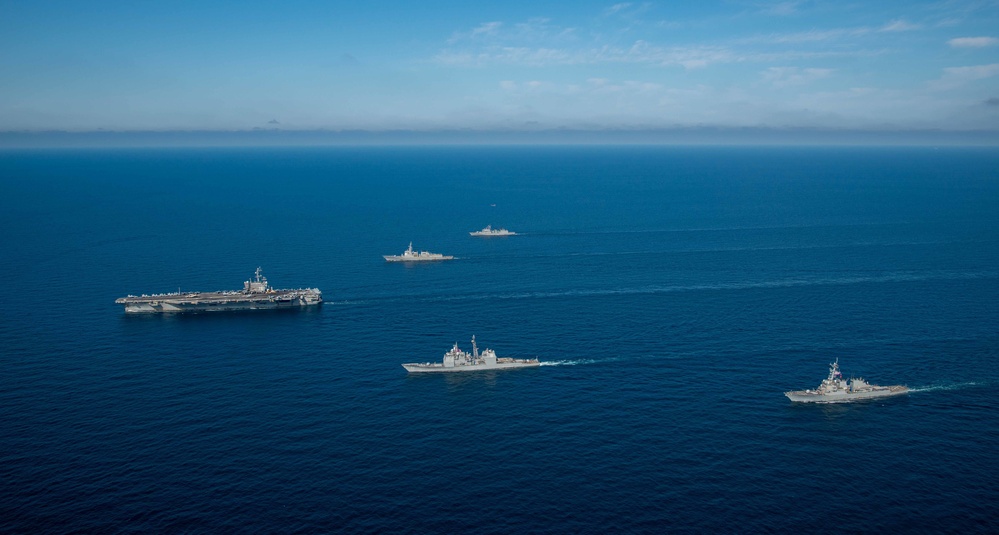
675,294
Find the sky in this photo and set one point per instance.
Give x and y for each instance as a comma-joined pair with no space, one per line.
498,66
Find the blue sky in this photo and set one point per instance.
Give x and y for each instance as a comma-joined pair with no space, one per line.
387,65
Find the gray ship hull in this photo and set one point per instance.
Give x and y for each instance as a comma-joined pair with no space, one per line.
805,396
257,294
409,255
417,259
163,305
436,367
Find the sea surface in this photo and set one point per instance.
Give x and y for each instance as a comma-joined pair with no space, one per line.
673,295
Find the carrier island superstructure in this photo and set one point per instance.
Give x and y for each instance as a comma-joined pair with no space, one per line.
255,295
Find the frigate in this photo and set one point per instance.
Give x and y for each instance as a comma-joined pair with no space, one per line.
457,360
835,389
490,231
255,295
409,255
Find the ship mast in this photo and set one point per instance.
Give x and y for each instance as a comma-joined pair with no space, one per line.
475,349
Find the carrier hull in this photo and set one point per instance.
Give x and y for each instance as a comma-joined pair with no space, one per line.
256,295
213,303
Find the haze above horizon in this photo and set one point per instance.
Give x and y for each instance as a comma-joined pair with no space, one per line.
445,66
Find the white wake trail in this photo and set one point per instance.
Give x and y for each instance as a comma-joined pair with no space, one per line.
954,386
574,362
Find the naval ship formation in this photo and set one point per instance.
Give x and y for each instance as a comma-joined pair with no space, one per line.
457,360
255,295
835,389
258,295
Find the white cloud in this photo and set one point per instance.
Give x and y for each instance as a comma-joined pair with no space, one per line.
810,36
973,72
484,29
782,9
899,25
639,52
793,76
972,42
487,28
628,11
957,76
618,7
533,30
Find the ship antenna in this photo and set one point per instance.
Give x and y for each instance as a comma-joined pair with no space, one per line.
258,273
475,349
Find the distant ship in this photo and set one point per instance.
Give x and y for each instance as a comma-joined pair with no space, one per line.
457,360
835,389
255,295
490,231
409,255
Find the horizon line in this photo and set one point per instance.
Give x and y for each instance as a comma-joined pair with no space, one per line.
677,135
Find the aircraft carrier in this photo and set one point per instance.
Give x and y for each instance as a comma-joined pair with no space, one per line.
255,295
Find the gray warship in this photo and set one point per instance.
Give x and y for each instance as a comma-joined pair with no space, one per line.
835,389
409,255
255,295
457,360
490,231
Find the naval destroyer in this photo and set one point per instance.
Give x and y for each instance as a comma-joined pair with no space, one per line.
457,360
255,295
835,389
409,255
490,231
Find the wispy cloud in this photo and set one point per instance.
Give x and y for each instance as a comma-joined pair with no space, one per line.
617,8
810,36
536,29
592,86
627,10
958,76
831,34
692,57
530,85
781,9
484,29
510,55
899,25
640,52
780,77
974,72
972,42
538,42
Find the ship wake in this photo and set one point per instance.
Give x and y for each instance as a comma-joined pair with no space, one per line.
574,362
953,386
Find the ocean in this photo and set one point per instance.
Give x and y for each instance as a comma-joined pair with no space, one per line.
673,295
